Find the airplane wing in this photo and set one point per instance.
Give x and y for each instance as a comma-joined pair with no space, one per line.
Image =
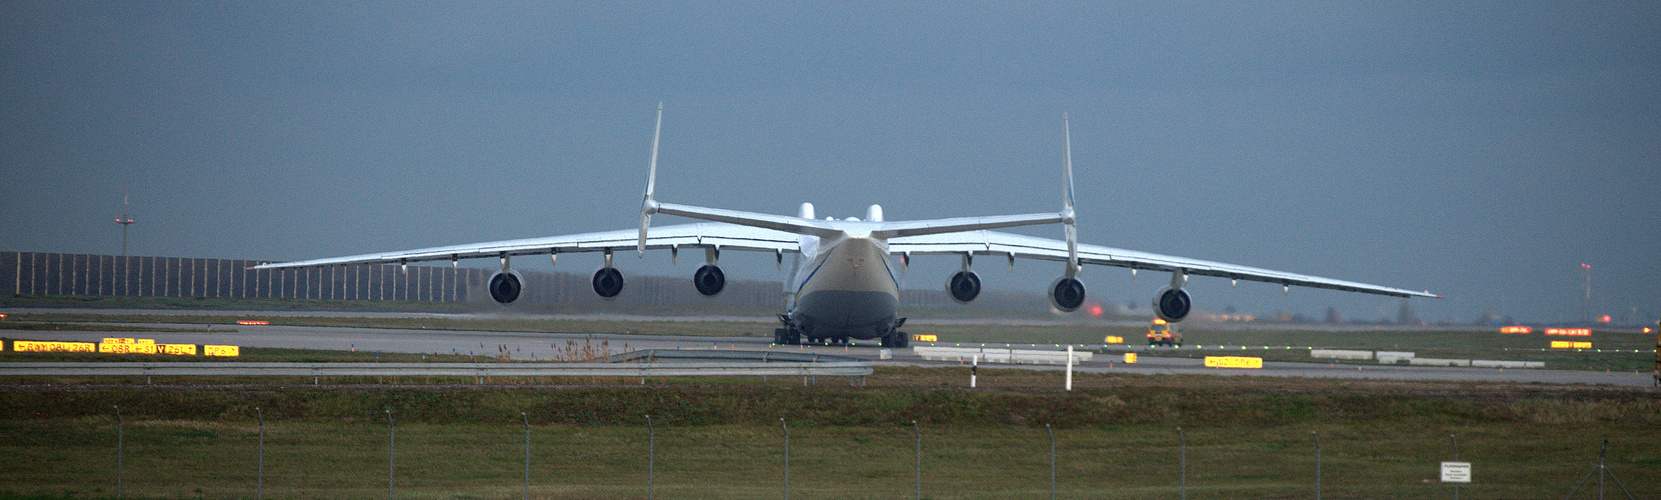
697,235
1013,246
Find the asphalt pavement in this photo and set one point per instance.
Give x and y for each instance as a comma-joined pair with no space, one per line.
551,346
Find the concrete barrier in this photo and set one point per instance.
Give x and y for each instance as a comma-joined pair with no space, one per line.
1488,363
1001,356
1340,354
1392,357
1438,362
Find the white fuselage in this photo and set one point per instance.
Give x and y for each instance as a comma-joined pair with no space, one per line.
843,287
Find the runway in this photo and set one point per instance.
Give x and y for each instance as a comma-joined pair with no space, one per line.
548,346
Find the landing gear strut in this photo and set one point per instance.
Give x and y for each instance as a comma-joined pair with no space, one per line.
788,335
897,339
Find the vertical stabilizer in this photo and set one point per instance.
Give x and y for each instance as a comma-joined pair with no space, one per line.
1068,216
648,205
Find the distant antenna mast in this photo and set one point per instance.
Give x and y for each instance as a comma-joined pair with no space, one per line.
124,221
1586,300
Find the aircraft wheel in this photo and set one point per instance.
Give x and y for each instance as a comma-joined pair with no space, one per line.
895,340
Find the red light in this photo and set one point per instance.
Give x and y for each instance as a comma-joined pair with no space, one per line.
1095,310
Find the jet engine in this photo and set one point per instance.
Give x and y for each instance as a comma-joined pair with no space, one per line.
608,282
964,286
505,285
708,279
1172,304
1067,294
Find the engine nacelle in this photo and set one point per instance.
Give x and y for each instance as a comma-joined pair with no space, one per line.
1067,294
1172,304
964,286
608,282
709,280
506,285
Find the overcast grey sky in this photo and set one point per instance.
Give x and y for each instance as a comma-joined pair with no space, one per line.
1481,151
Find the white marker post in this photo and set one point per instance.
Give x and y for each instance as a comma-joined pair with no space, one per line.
974,364
1069,367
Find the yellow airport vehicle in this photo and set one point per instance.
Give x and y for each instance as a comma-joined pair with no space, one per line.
1163,333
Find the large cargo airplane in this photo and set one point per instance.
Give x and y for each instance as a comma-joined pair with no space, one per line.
842,284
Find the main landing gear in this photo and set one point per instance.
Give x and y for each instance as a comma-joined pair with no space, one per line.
897,339
792,335
786,336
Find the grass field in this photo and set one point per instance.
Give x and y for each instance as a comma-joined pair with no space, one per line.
721,438
1247,437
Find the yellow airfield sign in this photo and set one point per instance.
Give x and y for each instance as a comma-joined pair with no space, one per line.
45,346
221,350
1233,362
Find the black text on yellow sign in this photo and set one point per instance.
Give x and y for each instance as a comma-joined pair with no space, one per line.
126,348
1233,362
220,350
39,346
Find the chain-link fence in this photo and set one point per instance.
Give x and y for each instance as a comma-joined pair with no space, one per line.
378,456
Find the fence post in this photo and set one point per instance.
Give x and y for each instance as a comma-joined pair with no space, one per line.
391,446
651,458
259,488
1600,469
527,454
1456,459
919,435
1317,464
120,442
1182,460
786,457
1052,459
